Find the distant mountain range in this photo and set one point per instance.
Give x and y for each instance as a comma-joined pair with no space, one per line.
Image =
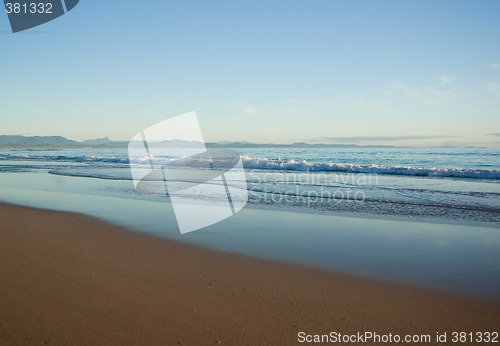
29,142
59,142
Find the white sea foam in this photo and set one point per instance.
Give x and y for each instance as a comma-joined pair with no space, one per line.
304,165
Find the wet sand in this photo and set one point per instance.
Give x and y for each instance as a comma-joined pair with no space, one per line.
70,279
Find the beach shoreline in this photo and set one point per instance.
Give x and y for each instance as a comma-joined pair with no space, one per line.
68,278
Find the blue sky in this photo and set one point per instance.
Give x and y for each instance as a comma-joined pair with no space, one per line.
366,72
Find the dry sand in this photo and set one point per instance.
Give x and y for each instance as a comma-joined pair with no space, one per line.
69,279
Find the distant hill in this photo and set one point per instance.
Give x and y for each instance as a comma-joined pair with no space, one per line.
55,142
36,142
102,143
97,141
293,145
59,142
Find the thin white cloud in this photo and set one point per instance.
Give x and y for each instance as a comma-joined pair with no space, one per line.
250,110
355,103
395,87
430,92
492,65
294,100
493,87
445,79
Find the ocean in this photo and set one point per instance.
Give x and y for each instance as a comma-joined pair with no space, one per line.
440,184
426,216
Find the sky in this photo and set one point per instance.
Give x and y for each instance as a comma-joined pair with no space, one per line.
417,73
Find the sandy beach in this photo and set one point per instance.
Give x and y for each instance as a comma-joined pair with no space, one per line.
70,279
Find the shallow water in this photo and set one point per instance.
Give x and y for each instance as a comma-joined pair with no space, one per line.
447,256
